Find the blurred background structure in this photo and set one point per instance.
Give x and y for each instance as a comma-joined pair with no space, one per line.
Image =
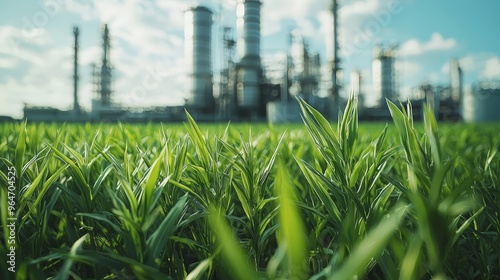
249,88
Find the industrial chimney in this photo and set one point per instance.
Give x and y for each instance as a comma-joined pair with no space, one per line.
76,106
384,75
335,63
249,69
198,56
456,81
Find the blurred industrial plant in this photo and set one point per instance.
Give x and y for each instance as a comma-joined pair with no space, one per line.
249,89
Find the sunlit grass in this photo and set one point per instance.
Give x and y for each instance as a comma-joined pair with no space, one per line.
316,200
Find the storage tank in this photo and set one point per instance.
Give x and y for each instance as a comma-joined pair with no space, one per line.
198,56
481,103
249,68
247,88
279,112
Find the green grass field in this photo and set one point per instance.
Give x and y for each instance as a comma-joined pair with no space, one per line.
307,201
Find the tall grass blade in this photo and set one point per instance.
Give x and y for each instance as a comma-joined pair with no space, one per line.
371,246
291,227
149,188
156,242
68,263
20,150
232,253
200,270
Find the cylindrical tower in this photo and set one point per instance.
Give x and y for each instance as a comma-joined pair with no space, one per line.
356,82
383,75
249,72
248,24
76,106
198,56
456,81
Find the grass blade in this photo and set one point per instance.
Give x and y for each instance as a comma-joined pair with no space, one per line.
369,248
233,255
156,242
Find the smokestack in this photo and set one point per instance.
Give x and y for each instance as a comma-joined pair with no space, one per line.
335,58
105,45
76,107
384,75
456,81
248,24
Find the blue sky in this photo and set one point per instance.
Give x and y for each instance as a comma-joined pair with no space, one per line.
147,40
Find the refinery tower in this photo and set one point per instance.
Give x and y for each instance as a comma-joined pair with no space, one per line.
76,106
335,60
384,75
249,69
102,74
198,57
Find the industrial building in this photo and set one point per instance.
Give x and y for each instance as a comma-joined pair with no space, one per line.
305,78
46,114
384,85
198,57
304,69
248,71
384,75
481,103
243,90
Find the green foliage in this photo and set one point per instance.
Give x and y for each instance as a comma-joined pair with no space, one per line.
316,201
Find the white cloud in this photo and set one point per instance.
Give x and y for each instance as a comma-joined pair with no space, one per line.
275,13
8,62
478,65
437,43
7,43
405,92
88,55
145,36
492,68
41,70
408,68
49,85
20,43
435,77
85,10
468,63
360,8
